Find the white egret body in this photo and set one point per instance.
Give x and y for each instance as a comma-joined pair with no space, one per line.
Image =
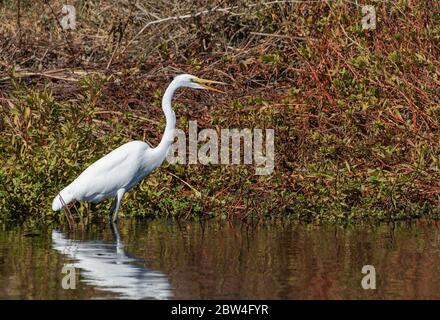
123,168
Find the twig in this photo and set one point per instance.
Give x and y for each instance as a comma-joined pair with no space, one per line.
47,74
112,56
204,12
277,36
19,21
67,213
198,193
133,116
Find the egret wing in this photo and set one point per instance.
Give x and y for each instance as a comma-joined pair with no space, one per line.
112,172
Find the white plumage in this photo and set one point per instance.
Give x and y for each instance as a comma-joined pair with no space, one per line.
120,170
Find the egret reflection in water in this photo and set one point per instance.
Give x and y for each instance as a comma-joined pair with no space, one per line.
106,266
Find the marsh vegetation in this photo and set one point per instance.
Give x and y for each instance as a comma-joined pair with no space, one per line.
356,113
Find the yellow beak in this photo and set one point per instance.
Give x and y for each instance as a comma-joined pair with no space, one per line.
204,83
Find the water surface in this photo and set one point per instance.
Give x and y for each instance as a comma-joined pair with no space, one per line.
219,260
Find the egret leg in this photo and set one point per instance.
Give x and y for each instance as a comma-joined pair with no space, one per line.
113,210
113,207
115,232
117,238
116,204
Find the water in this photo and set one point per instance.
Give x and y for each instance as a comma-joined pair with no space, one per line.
164,260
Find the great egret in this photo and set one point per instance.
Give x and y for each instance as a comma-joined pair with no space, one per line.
120,170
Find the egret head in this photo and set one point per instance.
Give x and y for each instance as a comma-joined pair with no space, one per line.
190,81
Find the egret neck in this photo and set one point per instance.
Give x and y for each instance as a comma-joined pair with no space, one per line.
160,152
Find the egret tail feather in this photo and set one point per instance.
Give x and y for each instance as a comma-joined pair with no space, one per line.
62,199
